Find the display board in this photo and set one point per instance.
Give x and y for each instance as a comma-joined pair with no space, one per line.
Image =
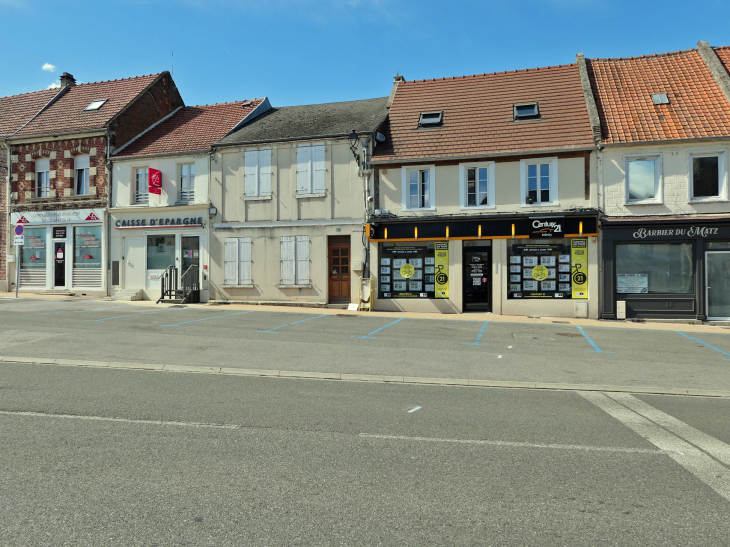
410,271
548,270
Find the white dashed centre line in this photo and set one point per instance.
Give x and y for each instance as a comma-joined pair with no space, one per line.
414,409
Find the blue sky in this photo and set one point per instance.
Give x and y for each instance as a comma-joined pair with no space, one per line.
314,51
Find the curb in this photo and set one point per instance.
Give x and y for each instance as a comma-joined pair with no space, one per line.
408,380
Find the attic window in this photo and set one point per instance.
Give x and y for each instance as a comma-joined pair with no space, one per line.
526,111
659,98
430,119
95,105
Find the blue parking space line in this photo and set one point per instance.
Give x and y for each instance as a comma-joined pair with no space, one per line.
705,344
294,323
370,335
479,337
207,318
37,304
44,313
595,349
108,307
137,314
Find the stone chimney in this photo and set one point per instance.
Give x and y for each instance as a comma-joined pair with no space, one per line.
67,80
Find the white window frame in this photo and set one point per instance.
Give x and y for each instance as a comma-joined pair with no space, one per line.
405,177
140,198
237,269
722,182
42,178
314,182
463,189
554,198
658,179
186,196
257,174
84,171
299,262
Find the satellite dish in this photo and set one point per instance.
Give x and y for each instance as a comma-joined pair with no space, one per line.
379,137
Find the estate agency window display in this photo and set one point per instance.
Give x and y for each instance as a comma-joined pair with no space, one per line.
549,270
414,271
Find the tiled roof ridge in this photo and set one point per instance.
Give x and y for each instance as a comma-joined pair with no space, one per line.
223,104
535,69
323,104
650,56
119,79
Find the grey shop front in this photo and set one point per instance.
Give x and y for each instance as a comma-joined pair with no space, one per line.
671,268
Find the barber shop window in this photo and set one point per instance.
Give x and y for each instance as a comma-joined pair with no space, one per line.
655,268
643,179
707,176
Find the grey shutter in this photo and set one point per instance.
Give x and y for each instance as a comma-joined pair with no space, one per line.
265,172
318,169
287,260
231,261
304,157
302,277
250,173
244,261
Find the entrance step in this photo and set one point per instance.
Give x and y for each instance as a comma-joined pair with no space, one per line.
64,292
127,294
171,301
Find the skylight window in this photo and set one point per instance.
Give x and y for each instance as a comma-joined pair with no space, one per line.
95,105
526,111
430,119
659,98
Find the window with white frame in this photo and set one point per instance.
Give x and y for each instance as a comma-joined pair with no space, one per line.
310,170
187,183
539,181
418,187
237,267
42,177
295,260
708,173
477,184
643,178
257,173
81,175
141,185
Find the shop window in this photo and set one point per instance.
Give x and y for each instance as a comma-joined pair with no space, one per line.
311,170
257,174
187,183
643,178
295,260
477,184
141,186
33,251
87,247
654,268
160,251
548,270
539,181
418,187
414,270
237,268
707,176
42,178
81,175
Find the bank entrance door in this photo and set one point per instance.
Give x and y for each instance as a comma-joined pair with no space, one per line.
477,279
59,264
190,250
717,285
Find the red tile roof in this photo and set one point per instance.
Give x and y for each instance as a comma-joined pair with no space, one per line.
67,114
478,116
623,88
190,128
15,110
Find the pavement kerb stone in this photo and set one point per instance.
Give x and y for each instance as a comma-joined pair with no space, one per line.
371,378
248,371
437,381
137,366
320,375
186,368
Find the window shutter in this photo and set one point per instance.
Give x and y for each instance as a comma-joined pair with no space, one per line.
244,261
318,169
287,260
250,173
265,172
304,156
231,261
302,260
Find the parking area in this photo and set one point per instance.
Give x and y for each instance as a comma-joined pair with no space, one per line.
290,339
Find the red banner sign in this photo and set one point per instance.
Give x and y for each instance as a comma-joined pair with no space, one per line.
155,181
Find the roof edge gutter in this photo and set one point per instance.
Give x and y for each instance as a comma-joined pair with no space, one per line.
717,69
163,154
97,130
590,100
485,156
665,141
289,139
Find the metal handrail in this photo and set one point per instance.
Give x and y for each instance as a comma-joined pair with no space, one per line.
189,282
168,282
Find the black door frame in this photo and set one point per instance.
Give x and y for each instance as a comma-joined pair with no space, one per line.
488,270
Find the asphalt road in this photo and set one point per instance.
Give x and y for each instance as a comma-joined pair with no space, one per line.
103,457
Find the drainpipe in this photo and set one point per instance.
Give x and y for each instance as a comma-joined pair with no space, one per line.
109,177
9,187
365,173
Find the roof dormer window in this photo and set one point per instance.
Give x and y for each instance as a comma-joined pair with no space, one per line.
659,98
526,111
431,119
95,105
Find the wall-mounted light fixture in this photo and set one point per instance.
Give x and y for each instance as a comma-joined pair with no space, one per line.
354,140
213,211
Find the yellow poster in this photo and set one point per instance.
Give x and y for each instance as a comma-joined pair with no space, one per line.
442,269
579,265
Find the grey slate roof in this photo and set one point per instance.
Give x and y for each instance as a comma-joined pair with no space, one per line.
311,121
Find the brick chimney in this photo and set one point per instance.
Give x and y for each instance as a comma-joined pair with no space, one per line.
67,80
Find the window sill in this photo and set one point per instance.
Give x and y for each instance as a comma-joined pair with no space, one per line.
476,207
645,202
257,198
80,196
533,205
294,286
238,286
708,200
183,203
139,205
315,195
414,209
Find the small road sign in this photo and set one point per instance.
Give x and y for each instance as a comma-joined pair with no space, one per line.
18,241
19,229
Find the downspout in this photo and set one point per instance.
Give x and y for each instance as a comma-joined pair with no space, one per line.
365,173
109,188
7,214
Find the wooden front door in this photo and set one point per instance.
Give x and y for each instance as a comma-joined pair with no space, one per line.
339,270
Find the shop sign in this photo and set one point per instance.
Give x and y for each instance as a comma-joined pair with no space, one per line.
547,228
70,216
692,231
158,222
442,270
155,184
59,232
579,271
632,283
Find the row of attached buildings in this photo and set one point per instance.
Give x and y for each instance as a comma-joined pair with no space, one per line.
593,189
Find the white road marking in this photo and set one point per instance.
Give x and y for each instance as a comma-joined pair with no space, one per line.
414,409
499,356
515,444
702,466
509,347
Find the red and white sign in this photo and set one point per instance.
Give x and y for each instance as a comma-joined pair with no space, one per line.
59,254
92,216
155,181
34,257
21,220
87,256
64,216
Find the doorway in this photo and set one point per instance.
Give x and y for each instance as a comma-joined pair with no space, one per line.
477,279
59,264
190,252
338,258
717,285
